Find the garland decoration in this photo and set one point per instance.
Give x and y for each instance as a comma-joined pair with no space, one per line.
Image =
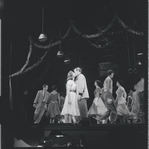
55,43
23,70
99,46
37,63
101,32
26,63
128,28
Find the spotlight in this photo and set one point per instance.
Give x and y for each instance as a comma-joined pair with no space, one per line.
42,37
59,136
140,54
67,61
40,146
139,63
60,54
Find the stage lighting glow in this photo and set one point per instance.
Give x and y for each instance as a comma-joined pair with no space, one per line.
139,54
42,37
139,63
59,136
60,54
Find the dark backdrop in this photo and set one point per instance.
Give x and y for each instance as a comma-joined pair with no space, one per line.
21,19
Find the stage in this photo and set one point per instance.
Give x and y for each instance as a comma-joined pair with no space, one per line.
98,135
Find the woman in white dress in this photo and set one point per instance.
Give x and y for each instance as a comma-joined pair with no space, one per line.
70,109
98,107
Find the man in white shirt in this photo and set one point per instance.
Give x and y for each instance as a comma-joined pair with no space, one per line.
108,98
82,92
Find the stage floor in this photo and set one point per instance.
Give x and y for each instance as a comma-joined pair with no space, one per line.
98,134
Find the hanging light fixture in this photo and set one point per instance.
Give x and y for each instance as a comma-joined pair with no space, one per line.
42,37
67,60
139,63
140,54
60,53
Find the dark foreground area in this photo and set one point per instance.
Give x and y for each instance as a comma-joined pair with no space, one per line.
82,135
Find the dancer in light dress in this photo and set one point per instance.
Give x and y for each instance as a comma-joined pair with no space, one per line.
70,109
98,107
122,109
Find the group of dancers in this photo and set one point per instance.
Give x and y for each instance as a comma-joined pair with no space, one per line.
74,108
75,104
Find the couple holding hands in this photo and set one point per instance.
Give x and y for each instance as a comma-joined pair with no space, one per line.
75,105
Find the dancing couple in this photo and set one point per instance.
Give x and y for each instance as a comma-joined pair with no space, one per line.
47,104
103,106
115,108
75,106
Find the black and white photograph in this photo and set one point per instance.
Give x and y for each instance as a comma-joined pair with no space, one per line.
74,73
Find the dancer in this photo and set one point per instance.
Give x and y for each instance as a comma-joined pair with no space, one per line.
62,100
108,99
53,104
122,109
129,100
135,104
70,109
140,86
97,108
40,103
82,92
61,104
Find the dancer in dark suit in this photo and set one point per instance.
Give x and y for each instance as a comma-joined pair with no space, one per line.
40,103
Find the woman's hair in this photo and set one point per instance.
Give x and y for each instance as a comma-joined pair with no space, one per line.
120,82
70,75
109,72
98,83
54,87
